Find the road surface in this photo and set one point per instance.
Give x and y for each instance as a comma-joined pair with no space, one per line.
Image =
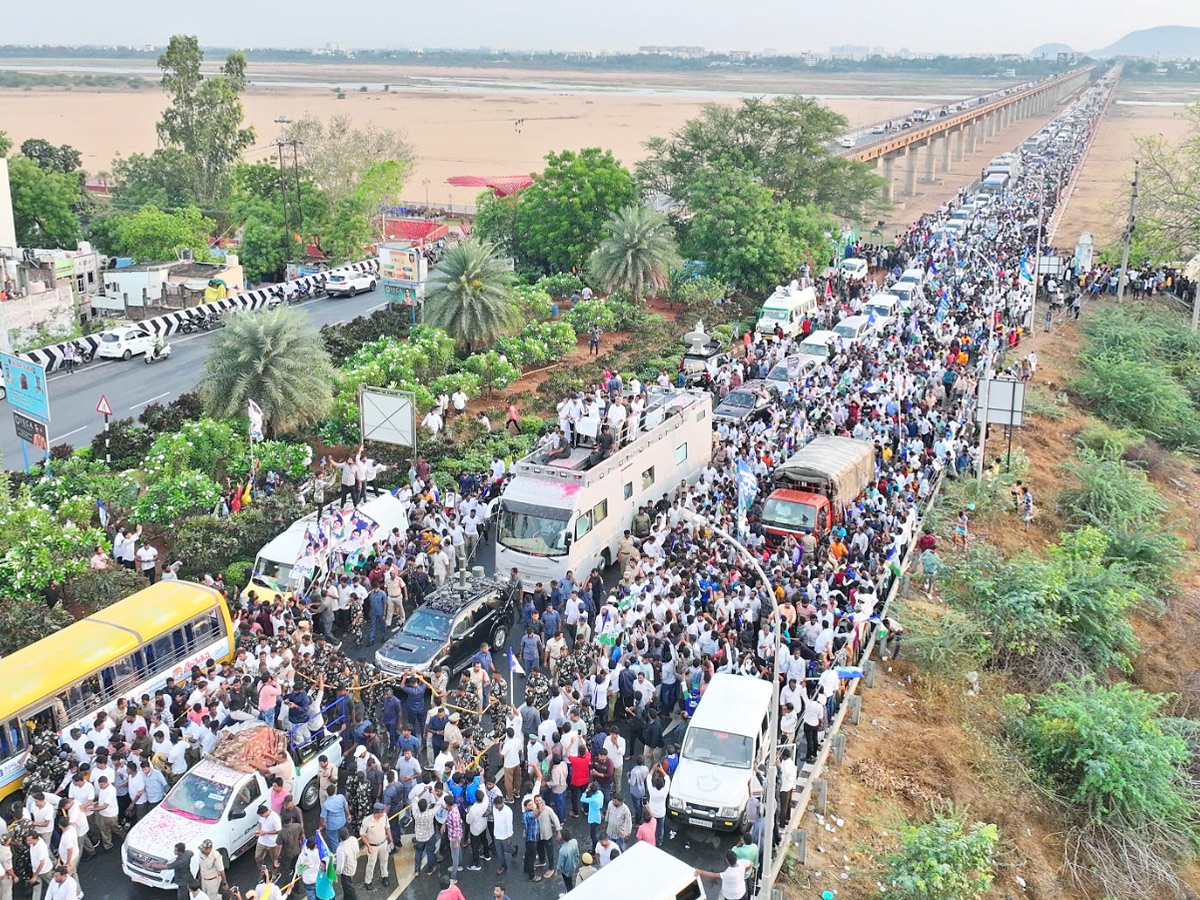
130,386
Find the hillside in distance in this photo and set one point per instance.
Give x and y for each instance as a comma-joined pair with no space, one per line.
1170,41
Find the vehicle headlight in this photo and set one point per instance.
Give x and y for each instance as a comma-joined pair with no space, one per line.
676,803
729,812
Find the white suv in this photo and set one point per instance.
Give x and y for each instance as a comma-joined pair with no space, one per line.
348,284
215,802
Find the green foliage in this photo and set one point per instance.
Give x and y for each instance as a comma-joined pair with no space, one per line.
238,572
493,371
943,859
203,118
342,340
1109,493
166,178
496,220
171,417
1106,441
44,203
275,358
587,313
560,217
636,253
538,344
468,381
468,295
533,301
204,543
65,158
24,620
1110,750
36,547
782,143
92,590
127,440
204,445
1167,228
150,234
342,157
172,498
948,644
561,285
699,291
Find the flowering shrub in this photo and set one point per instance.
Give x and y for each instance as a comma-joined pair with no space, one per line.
172,498
592,312
273,456
493,370
36,547
202,444
538,344
468,381
560,284
533,301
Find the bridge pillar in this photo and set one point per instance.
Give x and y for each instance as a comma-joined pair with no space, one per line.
910,171
960,143
972,136
930,158
944,140
887,167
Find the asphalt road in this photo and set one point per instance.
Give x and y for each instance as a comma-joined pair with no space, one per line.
130,386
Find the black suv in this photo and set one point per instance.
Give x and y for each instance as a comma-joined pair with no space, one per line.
447,629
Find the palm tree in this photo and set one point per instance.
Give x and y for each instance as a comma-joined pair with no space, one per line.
468,297
636,253
278,360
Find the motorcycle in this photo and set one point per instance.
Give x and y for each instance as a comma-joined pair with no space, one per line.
83,352
187,325
301,293
157,353
276,297
212,320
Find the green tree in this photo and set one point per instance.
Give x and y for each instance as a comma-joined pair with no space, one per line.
496,221
338,155
204,117
1168,204
943,859
44,204
277,360
746,236
65,158
636,253
166,178
783,143
152,234
561,216
467,295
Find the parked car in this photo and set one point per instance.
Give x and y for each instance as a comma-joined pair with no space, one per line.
447,629
349,284
125,341
749,403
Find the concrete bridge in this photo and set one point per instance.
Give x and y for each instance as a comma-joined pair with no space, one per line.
932,146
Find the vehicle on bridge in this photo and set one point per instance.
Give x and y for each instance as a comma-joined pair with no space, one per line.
349,284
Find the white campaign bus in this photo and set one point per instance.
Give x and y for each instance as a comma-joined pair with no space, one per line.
564,515
645,872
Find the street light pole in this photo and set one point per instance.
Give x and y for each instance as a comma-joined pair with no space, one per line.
770,788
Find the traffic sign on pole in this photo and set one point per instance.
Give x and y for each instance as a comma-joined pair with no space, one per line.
103,408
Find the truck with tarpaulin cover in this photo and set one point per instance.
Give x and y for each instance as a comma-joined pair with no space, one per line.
815,485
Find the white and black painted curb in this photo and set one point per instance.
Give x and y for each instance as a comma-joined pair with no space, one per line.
167,324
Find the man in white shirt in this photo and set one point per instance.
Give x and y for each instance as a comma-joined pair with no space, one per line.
147,556
267,844
39,864
502,832
510,752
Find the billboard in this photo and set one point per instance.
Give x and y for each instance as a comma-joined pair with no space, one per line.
32,431
387,416
406,265
1001,401
25,382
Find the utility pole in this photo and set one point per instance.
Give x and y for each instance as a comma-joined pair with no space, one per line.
296,145
283,198
1124,276
291,209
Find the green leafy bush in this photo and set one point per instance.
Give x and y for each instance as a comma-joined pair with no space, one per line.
36,547
538,344
1109,493
173,498
943,859
493,370
587,313
343,340
237,574
561,284
468,381
205,445
24,620
158,417
92,590
702,291
534,301
128,442
1106,441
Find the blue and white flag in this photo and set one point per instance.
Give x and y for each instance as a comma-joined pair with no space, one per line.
747,485
514,667
1026,275
254,411
103,510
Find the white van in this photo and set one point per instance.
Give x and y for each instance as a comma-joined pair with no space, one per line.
726,741
910,295
854,268
885,307
791,370
854,329
787,309
819,344
912,276
279,567
642,871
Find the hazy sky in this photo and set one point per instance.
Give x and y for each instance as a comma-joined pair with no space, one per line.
794,25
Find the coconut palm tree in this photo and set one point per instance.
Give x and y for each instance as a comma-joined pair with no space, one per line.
468,297
278,360
636,253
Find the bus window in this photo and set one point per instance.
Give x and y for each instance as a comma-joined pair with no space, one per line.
180,641
628,489
647,478
163,655
681,454
599,512
11,739
583,525
206,629
138,659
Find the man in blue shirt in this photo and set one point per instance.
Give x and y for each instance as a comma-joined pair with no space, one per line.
377,605
414,705
484,658
389,714
334,815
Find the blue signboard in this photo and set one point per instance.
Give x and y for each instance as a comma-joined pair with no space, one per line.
25,382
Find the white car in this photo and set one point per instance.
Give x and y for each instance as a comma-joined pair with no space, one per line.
847,141
854,268
214,802
124,342
348,284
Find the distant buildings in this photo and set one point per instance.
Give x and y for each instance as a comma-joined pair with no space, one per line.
676,52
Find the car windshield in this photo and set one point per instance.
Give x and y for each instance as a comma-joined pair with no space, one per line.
743,399
538,533
846,331
198,798
427,624
818,350
788,513
720,748
880,309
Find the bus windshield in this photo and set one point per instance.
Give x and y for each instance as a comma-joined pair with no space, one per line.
533,529
276,571
720,748
773,315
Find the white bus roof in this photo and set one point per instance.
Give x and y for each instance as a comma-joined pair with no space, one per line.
726,701
642,871
285,547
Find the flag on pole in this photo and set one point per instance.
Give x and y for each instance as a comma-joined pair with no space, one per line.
514,667
103,510
328,872
256,420
747,485
1026,275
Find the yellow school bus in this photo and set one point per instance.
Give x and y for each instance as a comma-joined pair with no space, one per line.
126,650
